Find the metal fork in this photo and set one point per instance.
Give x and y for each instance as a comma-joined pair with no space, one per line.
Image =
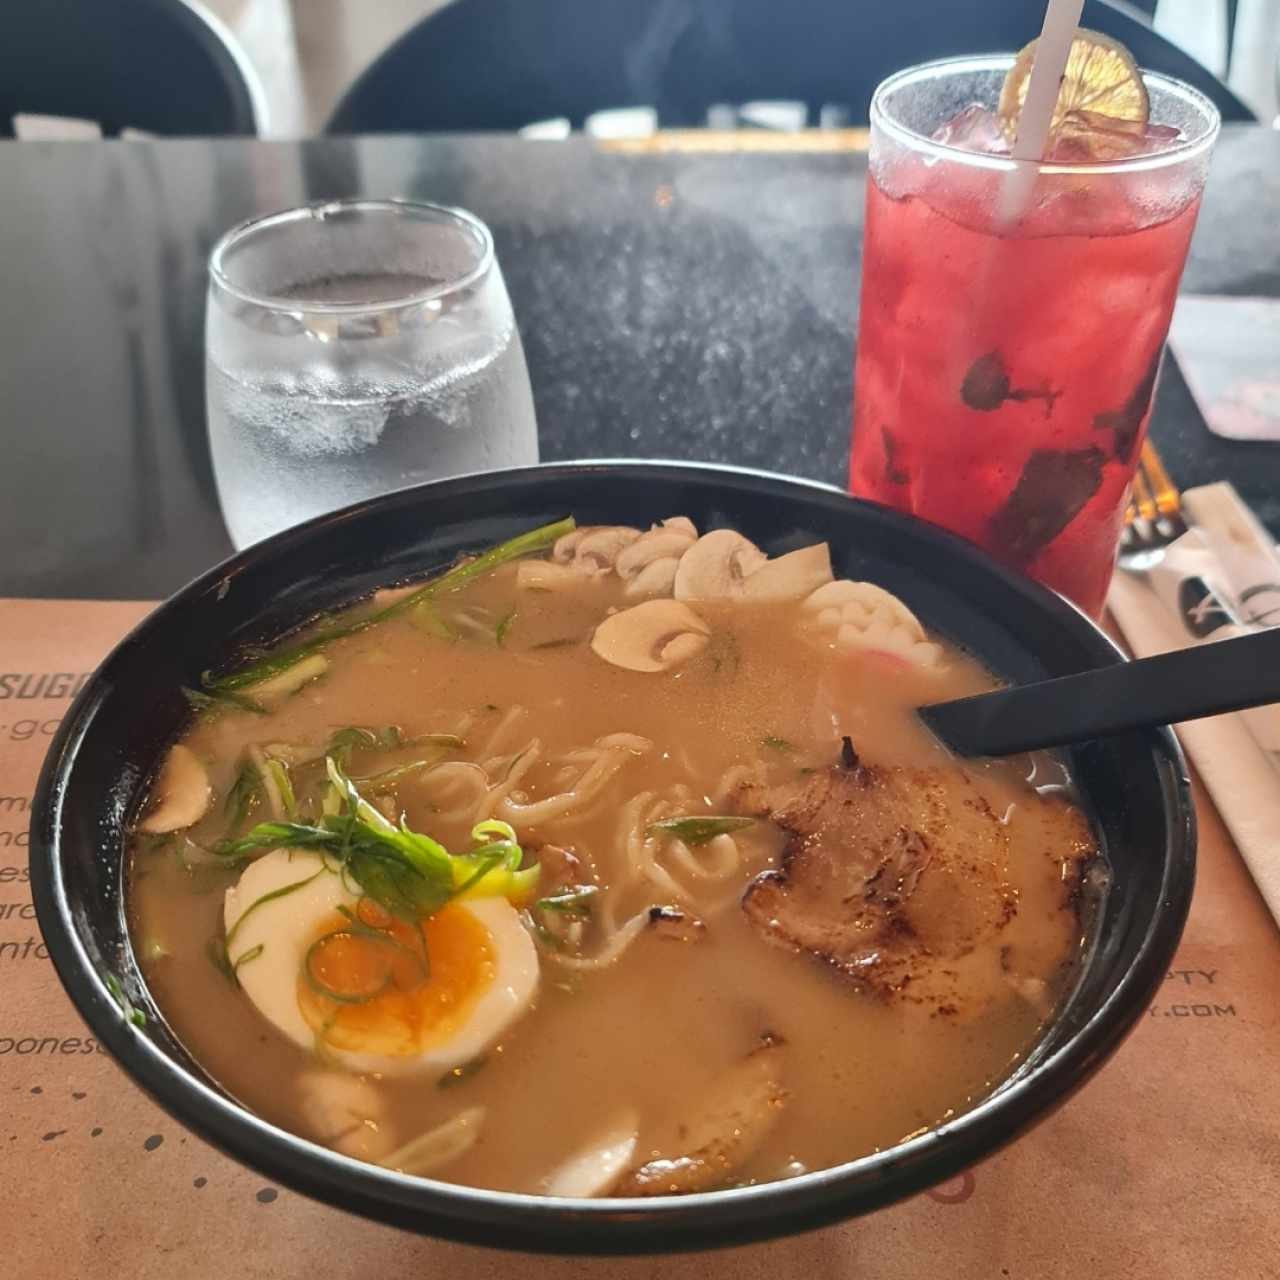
1153,518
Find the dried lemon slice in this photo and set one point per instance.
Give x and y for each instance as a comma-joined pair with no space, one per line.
1101,79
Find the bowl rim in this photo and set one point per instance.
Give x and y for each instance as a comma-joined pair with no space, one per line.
623,1226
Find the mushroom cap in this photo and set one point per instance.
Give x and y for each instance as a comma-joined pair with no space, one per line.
596,1167
715,566
657,578
790,577
718,1131
658,544
181,794
863,616
654,636
594,547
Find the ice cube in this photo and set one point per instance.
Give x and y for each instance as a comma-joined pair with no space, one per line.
976,128
1087,137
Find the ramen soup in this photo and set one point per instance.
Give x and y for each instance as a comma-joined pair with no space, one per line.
609,862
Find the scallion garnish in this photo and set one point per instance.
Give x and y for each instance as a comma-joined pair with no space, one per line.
217,688
404,872
575,901
698,830
243,958
130,1012
240,798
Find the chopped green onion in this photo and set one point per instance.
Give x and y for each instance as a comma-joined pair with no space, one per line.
280,776
243,958
282,892
282,660
240,798
776,744
575,901
500,632
319,986
395,773
698,830
131,1013
221,700
426,617
405,872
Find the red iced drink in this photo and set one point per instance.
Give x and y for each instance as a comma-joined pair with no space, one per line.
1007,354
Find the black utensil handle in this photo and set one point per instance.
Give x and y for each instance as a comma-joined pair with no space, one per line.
1204,680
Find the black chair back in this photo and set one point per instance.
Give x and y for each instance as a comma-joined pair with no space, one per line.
502,64
155,65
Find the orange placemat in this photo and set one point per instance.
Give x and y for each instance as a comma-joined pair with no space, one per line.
1167,1165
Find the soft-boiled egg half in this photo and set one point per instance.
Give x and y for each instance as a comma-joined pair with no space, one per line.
335,973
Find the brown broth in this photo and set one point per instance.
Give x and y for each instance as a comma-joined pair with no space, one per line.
658,1025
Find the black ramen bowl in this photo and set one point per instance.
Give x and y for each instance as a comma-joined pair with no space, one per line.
1135,787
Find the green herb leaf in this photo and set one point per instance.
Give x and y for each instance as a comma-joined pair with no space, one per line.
698,830
500,632
777,744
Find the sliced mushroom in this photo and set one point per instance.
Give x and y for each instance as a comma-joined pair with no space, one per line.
861,615
663,542
594,547
345,1112
720,1132
657,578
789,577
593,1170
715,566
655,636
437,1147
181,795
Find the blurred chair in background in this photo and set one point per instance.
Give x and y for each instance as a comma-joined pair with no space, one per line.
503,64
161,66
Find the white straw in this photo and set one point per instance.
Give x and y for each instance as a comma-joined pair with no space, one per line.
1061,19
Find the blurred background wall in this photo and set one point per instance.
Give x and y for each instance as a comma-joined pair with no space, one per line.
308,51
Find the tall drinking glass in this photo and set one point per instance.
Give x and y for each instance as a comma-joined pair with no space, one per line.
1012,321
357,347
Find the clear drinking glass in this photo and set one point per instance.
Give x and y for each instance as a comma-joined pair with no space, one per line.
356,347
1006,359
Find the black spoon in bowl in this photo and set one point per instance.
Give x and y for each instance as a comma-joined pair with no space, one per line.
1187,684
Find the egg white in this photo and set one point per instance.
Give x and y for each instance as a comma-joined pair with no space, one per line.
285,927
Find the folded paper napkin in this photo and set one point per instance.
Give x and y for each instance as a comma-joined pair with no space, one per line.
1220,579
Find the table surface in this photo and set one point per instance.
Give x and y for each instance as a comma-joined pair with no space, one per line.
678,306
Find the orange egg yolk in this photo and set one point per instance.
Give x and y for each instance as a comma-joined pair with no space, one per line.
382,985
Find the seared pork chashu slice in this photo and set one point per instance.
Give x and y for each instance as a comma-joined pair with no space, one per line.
903,880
